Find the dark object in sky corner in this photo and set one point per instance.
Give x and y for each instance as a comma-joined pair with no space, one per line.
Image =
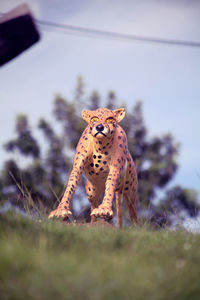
17,33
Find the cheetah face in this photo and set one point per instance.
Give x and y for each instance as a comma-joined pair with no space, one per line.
103,121
102,128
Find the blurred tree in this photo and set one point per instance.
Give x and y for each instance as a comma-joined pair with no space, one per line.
25,143
179,200
43,180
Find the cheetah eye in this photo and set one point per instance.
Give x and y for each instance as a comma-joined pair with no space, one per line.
110,120
94,119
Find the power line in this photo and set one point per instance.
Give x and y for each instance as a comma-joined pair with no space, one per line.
109,35
94,33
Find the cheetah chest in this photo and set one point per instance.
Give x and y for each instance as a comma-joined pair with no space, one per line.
97,168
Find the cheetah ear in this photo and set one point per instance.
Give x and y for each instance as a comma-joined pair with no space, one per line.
119,114
86,115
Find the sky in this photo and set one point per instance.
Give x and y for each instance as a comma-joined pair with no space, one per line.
166,78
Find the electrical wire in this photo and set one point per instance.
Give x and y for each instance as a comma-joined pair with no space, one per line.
94,33
109,35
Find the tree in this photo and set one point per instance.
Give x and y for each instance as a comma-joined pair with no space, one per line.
43,180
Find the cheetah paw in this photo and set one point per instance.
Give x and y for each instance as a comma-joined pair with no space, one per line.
102,212
59,213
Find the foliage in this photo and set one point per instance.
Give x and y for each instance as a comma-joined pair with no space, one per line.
43,180
48,260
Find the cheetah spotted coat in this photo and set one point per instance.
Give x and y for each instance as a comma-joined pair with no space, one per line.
103,156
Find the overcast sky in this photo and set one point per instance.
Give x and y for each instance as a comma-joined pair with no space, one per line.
166,78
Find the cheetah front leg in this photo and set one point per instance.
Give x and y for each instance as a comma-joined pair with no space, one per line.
63,209
80,159
93,195
105,209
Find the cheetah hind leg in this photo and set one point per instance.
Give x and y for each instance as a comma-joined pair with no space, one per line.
130,195
118,196
130,191
131,204
93,195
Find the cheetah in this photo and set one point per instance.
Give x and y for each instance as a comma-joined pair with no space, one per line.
102,154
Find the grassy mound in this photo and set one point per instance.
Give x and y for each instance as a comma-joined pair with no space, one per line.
49,260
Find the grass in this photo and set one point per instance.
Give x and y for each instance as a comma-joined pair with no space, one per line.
49,260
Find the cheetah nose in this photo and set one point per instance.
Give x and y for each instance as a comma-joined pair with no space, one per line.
100,127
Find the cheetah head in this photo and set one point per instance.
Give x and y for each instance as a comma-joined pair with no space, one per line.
103,121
